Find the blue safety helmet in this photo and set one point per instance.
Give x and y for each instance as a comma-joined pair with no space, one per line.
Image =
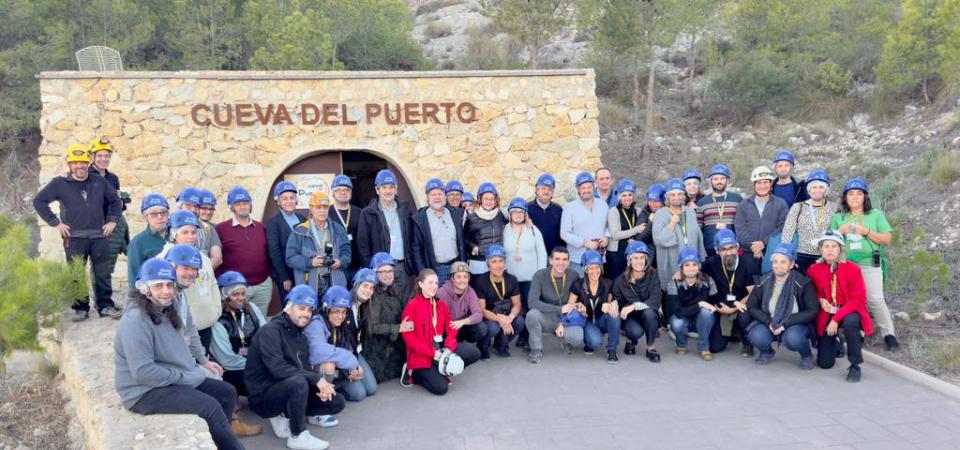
385,177
365,275
591,257
151,200
281,187
496,251
637,247
433,183
819,175
207,198
784,155
303,295
231,278
189,194
467,197
584,177
692,173
185,255
486,188
547,180
689,254
724,238
719,169
238,194
341,181
453,186
626,185
675,184
156,269
856,183
381,259
183,217
517,203
656,192
786,249
337,297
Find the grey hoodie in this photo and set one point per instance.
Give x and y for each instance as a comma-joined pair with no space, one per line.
148,356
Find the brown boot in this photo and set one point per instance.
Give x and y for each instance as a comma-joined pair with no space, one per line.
241,428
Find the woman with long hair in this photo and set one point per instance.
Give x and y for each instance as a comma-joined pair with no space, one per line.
483,227
637,291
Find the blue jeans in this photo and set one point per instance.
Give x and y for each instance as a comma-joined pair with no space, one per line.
443,272
494,334
795,337
593,332
357,390
704,322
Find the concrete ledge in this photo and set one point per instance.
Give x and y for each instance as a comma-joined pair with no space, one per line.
927,381
307,75
86,362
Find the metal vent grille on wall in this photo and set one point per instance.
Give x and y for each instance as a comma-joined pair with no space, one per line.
98,58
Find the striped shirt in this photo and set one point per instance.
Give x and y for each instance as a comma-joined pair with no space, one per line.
713,210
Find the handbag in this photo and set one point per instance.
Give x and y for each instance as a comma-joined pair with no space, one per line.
774,241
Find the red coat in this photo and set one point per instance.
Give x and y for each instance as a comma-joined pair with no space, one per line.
419,342
851,291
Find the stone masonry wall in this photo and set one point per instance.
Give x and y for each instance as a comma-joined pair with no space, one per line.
528,122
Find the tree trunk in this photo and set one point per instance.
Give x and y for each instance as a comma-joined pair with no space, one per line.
532,51
648,129
637,90
692,66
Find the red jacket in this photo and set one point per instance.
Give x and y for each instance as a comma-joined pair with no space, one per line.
851,291
419,342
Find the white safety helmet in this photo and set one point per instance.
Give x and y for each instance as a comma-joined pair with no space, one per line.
762,173
451,364
829,235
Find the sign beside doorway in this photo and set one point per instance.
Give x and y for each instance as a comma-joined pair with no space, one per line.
307,184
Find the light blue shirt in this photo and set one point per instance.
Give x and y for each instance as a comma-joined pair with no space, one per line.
396,233
580,223
291,218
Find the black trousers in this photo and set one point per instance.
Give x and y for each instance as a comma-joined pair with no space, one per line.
235,378
213,401
718,342
431,379
640,324
206,335
97,251
296,397
827,345
472,333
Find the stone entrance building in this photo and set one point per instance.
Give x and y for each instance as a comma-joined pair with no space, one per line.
220,129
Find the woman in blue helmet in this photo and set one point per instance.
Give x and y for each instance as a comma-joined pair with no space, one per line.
654,199
591,297
624,226
526,252
810,218
692,303
382,323
637,291
483,227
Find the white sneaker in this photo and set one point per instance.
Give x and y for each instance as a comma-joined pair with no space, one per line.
693,334
281,426
325,421
306,441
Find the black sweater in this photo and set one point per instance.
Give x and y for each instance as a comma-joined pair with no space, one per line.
85,214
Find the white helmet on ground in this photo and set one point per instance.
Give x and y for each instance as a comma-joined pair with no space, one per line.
450,363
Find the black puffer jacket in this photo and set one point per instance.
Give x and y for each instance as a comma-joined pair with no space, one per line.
373,233
646,290
482,233
278,351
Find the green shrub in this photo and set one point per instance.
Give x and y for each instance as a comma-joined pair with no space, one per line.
947,357
485,51
749,83
917,272
32,290
830,78
945,170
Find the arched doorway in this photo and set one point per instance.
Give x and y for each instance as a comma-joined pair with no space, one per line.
360,165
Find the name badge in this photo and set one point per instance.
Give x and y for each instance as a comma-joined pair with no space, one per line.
350,237
857,245
731,298
721,226
243,351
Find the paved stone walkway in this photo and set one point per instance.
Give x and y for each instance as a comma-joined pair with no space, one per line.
581,402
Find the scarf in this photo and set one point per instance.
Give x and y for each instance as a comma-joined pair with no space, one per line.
786,301
487,215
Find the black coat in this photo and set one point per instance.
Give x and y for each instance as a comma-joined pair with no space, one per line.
373,234
352,220
421,242
646,290
278,233
483,233
806,299
85,215
278,351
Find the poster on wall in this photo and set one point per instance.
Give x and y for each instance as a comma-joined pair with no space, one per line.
307,184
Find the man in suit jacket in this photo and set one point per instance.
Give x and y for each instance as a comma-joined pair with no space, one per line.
385,227
436,233
279,228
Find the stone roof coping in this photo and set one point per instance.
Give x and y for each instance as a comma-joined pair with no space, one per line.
306,75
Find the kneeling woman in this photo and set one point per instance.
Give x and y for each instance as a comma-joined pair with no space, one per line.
637,291
355,381
381,324
154,372
843,304
690,301
432,335
591,297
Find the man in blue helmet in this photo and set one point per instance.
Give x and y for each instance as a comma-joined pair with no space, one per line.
735,278
787,187
89,211
583,224
436,233
718,209
544,213
208,240
348,215
191,199
454,192
245,248
149,242
279,228
385,227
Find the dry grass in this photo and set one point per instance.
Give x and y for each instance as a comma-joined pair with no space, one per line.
33,413
430,7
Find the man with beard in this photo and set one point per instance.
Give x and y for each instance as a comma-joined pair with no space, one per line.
718,209
735,278
760,215
436,233
89,211
787,187
583,223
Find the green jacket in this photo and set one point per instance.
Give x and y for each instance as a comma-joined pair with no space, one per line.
142,247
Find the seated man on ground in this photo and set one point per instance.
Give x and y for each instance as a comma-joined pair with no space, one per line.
734,277
549,292
499,294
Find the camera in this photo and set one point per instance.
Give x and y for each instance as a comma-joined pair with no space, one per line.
876,258
125,197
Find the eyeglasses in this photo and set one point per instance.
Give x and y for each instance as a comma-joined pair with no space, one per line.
386,271
208,208
158,214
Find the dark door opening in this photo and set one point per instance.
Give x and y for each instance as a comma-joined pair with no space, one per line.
359,165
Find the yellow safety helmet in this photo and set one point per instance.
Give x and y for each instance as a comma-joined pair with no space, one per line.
319,198
97,145
78,153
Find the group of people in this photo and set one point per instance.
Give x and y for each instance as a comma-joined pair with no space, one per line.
390,291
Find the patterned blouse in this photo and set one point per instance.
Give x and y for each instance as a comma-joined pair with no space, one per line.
809,222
